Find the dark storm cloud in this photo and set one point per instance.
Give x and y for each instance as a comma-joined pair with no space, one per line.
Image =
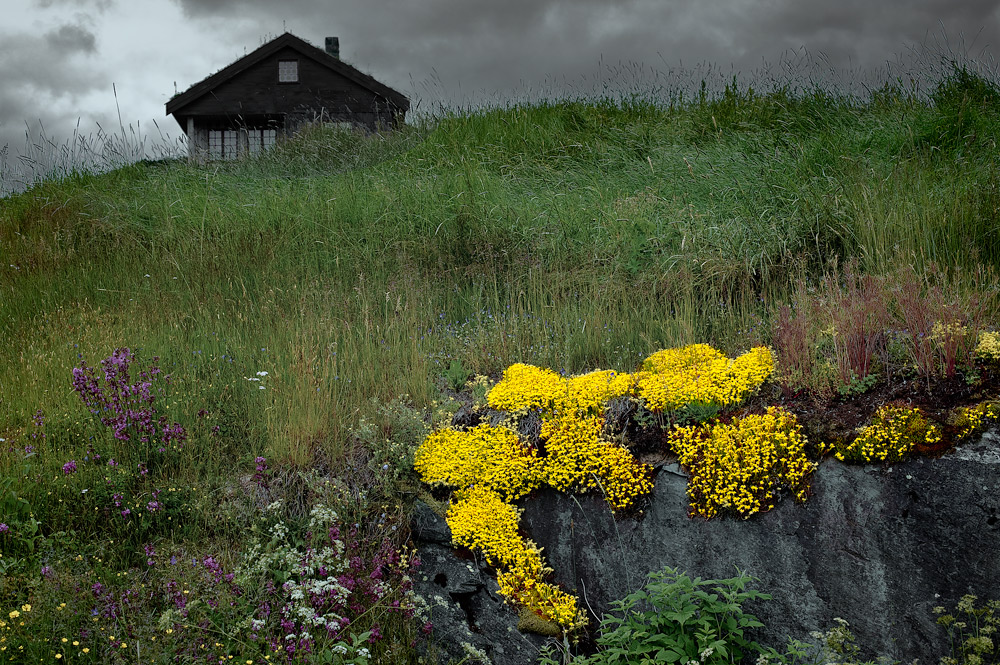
495,46
70,38
43,75
870,30
46,63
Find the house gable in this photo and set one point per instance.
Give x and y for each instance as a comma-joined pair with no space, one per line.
256,91
318,72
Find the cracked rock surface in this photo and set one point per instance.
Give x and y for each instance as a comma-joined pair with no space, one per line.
471,620
877,546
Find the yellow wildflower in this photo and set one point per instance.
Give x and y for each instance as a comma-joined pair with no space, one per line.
890,437
741,467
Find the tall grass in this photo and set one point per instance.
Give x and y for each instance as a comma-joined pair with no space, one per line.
573,234
43,158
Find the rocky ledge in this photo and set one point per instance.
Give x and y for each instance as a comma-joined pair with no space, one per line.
877,546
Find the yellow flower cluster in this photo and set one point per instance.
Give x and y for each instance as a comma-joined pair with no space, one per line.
741,467
487,455
526,387
947,332
970,420
523,587
480,519
673,378
588,393
988,347
490,466
579,459
890,437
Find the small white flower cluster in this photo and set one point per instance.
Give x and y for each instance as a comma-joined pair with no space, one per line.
302,565
300,592
321,517
257,378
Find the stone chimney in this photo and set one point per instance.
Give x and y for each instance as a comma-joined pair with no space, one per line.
333,47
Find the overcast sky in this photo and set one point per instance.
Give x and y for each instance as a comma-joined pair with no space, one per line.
60,58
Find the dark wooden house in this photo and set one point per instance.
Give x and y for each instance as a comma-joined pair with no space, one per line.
283,85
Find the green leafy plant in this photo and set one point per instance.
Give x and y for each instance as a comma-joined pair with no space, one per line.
858,386
676,619
835,646
456,375
699,412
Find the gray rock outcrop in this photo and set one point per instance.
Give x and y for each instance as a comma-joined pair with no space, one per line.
879,547
471,621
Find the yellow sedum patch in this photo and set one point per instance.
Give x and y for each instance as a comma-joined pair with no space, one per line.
971,420
673,378
524,388
579,459
988,347
488,455
741,467
480,519
890,437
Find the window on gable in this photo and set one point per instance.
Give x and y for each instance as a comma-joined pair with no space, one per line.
288,71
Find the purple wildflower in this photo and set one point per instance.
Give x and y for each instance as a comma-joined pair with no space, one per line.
69,467
260,477
4,528
124,405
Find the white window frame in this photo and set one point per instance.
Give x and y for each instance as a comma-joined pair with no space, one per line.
260,139
223,143
288,71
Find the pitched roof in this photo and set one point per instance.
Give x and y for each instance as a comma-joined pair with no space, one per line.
303,47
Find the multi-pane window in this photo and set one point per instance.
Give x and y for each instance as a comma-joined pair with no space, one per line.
288,71
232,143
260,139
229,143
222,143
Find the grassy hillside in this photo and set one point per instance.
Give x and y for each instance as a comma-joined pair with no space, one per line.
364,274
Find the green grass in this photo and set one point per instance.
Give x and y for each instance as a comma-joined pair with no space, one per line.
355,269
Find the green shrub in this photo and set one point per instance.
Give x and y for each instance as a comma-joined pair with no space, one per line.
675,619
